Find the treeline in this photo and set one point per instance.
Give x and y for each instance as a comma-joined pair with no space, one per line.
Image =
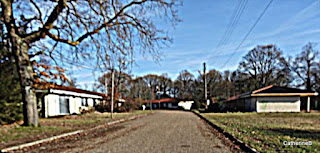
262,66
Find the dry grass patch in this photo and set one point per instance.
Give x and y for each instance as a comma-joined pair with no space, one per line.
14,135
267,131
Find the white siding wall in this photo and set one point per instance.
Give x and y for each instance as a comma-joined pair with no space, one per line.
90,102
278,104
53,107
46,106
185,105
77,105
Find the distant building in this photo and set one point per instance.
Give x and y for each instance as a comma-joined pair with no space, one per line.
166,103
169,103
61,100
120,102
270,99
186,105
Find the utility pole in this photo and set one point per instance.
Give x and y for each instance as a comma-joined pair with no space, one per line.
152,94
106,86
112,93
205,83
139,97
158,93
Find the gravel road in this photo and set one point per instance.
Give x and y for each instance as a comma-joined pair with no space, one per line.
164,131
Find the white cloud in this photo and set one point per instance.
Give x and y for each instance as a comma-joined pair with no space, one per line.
86,82
83,75
301,18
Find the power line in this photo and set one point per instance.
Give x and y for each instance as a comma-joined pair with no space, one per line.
231,21
234,24
248,33
236,15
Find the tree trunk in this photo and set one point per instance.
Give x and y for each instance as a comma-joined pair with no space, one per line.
308,83
25,71
308,76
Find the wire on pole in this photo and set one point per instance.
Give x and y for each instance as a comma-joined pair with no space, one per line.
245,37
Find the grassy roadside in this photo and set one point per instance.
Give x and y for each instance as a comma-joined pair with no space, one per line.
267,132
15,135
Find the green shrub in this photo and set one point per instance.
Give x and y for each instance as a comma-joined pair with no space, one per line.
196,105
10,112
10,97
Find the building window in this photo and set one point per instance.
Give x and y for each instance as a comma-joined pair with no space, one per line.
64,105
94,102
84,102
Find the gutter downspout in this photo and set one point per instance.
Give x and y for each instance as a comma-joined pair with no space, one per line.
308,104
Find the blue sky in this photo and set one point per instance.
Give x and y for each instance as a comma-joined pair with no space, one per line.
289,24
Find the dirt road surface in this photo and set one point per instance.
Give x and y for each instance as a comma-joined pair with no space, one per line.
164,131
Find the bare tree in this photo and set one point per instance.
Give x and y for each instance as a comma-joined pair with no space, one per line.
174,92
121,83
152,81
263,65
165,84
306,66
139,89
77,28
186,80
214,83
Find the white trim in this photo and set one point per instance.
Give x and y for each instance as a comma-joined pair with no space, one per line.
73,93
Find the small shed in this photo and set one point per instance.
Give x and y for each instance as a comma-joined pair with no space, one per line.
270,99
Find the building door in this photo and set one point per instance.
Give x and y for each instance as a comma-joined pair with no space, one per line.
64,105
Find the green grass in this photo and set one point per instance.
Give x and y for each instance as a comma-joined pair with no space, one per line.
21,132
54,126
88,119
266,132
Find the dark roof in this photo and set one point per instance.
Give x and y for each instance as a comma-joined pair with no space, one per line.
232,98
163,100
278,89
274,91
72,89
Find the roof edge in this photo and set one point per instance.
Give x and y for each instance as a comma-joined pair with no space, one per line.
285,94
261,89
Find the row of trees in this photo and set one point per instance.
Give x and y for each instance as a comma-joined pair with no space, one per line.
260,67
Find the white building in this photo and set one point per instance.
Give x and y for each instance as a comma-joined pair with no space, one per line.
166,103
62,100
169,103
186,105
270,99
